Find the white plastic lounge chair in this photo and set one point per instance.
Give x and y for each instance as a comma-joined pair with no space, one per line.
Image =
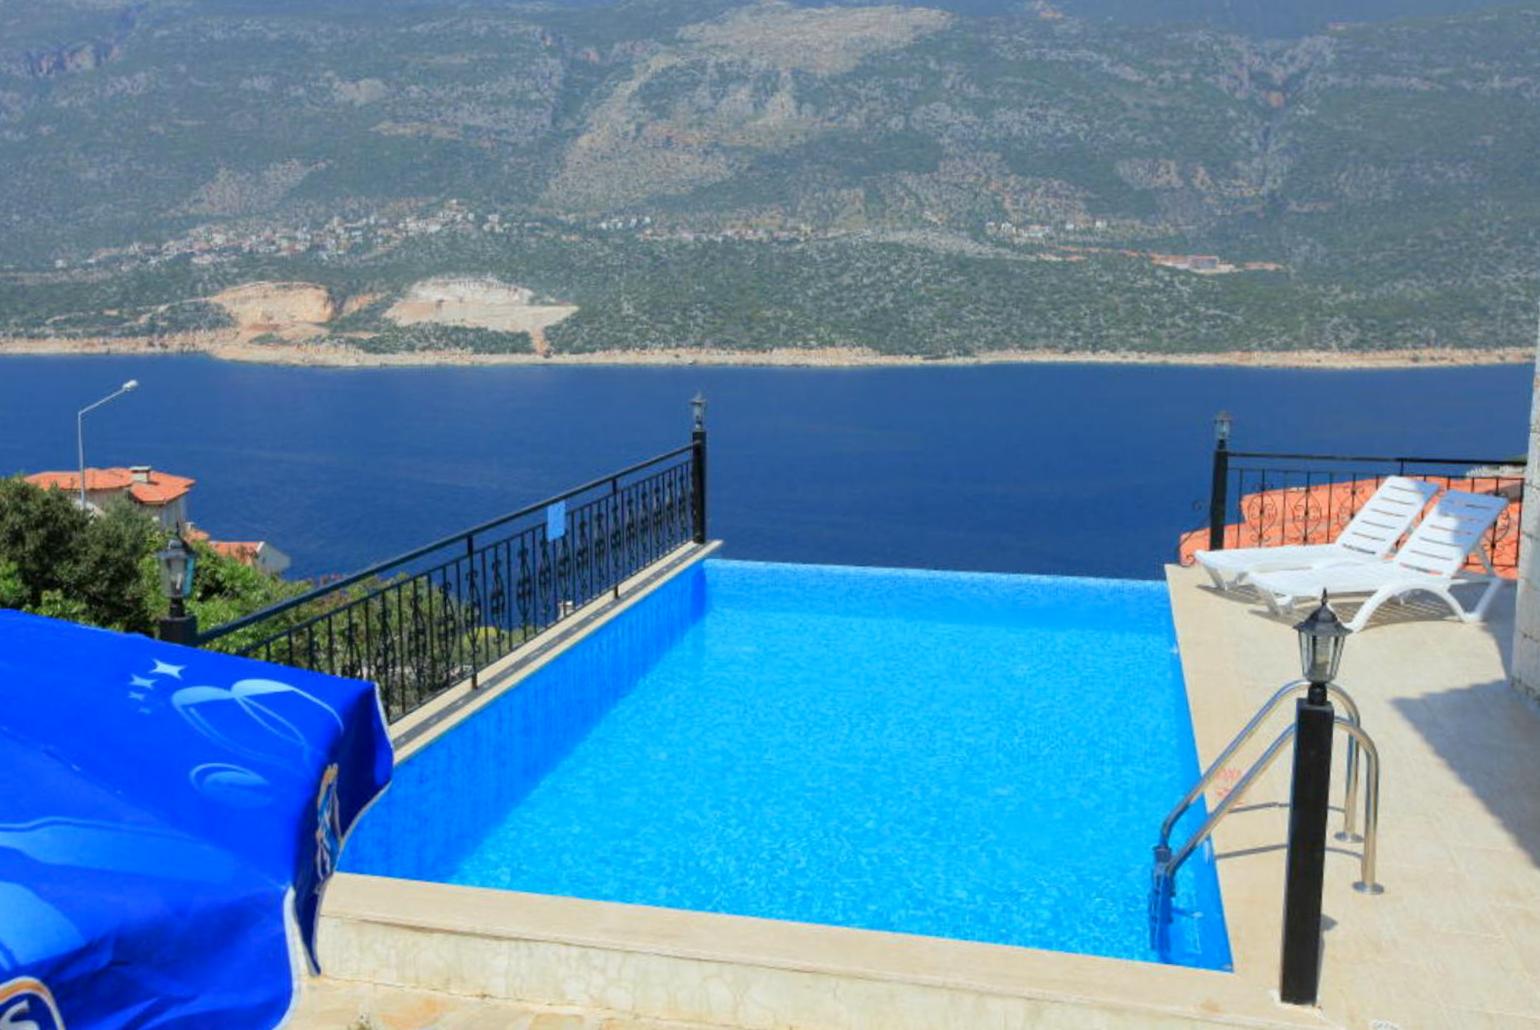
1432,560
1383,519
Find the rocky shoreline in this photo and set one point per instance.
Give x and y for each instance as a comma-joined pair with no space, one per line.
331,356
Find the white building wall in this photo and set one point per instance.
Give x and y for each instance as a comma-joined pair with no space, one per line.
271,560
1526,636
99,499
171,515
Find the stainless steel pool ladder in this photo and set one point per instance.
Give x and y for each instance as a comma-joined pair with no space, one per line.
1359,745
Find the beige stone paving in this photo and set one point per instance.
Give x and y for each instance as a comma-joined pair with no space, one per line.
1455,939
348,1005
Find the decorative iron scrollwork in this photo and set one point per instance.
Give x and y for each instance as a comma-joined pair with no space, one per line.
437,616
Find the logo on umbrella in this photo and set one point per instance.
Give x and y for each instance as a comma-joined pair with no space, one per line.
328,827
26,1004
259,719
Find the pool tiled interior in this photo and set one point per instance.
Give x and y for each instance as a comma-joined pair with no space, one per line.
919,752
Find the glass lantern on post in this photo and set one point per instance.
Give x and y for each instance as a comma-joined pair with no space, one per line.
177,562
1321,639
1222,425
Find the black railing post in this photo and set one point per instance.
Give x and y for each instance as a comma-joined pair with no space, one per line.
617,528
698,469
470,568
1217,499
1300,977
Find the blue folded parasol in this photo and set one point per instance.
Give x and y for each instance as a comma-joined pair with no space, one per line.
167,816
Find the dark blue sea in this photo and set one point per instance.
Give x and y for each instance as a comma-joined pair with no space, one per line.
1064,469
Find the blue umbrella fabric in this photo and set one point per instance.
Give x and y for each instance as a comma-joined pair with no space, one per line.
166,816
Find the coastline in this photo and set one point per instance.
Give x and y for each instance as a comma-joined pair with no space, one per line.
226,348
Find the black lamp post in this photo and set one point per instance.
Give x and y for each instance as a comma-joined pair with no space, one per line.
1217,498
698,467
177,564
1321,639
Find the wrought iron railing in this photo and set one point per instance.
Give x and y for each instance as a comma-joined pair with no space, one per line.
426,620
1264,499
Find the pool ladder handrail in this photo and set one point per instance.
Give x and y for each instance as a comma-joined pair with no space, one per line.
1350,795
1167,864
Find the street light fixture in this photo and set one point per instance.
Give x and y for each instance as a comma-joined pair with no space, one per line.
80,431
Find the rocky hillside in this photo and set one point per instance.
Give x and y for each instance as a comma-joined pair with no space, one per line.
1084,174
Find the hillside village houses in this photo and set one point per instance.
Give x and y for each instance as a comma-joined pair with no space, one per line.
163,497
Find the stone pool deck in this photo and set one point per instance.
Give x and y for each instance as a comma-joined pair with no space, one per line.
1453,942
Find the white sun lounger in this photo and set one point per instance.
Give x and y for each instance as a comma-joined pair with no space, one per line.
1383,519
1432,560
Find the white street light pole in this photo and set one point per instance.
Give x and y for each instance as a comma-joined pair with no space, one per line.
80,431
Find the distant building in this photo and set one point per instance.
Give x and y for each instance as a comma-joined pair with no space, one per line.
164,497
161,494
259,554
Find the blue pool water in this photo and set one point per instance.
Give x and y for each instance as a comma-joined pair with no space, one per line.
972,756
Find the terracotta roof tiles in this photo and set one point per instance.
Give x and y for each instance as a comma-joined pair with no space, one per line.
158,489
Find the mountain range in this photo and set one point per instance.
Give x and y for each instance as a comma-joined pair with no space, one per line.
1077,175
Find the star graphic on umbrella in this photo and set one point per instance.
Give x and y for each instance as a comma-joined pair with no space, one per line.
138,688
141,687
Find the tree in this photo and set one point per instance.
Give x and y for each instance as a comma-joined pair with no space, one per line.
113,573
40,534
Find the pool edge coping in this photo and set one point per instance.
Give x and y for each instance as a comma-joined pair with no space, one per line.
1001,971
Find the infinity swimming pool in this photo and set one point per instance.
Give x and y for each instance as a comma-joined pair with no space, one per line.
980,757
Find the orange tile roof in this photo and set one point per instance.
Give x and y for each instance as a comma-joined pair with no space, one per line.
161,489
243,551
1316,514
96,479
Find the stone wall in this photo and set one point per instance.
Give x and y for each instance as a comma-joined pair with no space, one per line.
1526,634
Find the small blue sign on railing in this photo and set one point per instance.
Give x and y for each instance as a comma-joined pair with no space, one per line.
556,520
